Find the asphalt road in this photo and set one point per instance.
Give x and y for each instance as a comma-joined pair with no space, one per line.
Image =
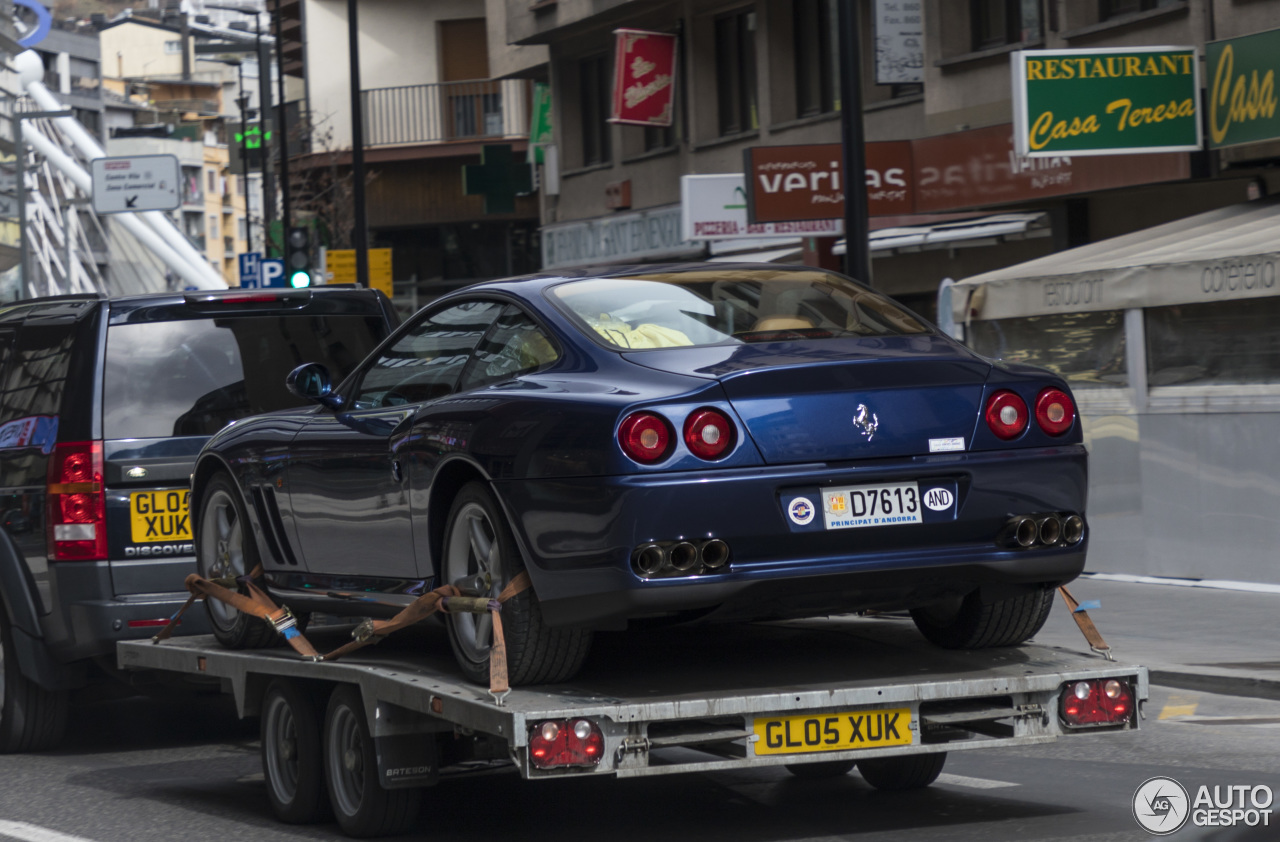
140,769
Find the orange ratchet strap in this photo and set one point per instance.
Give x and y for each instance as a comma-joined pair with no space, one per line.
1087,628
444,598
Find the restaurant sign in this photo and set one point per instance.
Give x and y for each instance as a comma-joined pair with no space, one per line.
1242,93
1105,102
643,78
795,183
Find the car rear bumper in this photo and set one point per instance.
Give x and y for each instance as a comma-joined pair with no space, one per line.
578,537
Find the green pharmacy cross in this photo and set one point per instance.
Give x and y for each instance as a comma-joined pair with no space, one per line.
498,178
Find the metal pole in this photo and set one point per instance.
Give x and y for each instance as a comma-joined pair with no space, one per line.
243,102
360,237
857,257
264,111
23,249
284,125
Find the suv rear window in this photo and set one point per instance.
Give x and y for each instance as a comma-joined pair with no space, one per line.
191,377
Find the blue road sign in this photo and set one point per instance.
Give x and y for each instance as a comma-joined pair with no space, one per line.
273,273
251,269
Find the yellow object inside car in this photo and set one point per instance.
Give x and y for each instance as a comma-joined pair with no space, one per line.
645,335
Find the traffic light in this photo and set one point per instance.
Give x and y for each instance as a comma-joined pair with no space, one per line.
298,258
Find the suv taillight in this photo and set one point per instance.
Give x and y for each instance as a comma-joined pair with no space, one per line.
77,504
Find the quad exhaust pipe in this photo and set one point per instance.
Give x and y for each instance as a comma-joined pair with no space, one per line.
655,559
1050,529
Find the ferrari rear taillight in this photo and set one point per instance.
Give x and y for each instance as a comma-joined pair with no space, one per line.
709,433
1055,411
1006,414
77,515
566,743
645,437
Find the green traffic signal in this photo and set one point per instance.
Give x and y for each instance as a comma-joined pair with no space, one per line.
298,280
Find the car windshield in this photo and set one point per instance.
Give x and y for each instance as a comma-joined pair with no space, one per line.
717,307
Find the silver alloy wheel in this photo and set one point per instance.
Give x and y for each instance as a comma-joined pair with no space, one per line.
281,748
472,550
222,549
346,761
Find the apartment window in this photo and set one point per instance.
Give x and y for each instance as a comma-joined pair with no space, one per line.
1000,22
595,74
813,22
736,72
1108,9
210,178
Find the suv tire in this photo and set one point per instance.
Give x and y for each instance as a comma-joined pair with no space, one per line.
31,717
225,548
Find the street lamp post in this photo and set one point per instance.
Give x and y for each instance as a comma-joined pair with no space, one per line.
360,237
857,256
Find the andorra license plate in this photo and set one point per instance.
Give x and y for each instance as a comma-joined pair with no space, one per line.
833,731
871,505
159,516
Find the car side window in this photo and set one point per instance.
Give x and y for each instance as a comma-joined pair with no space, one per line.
514,346
426,362
37,373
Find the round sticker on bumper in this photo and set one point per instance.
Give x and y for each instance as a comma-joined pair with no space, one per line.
939,499
801,511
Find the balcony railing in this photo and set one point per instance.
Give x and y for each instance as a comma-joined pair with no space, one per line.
446,111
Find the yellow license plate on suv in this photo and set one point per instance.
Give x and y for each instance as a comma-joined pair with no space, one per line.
160,516
833,731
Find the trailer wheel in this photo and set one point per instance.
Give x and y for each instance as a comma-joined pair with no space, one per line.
292,755
915,771
819,771
478,540
976,622
225,548
360,804
31,717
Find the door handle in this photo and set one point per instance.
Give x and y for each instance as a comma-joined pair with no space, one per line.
397,470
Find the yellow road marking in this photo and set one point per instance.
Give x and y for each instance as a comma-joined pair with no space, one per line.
1179,706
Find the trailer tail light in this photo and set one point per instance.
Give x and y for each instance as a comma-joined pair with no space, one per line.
1055,411
1097,702
645,437
1006,414
77,514
709,433
566,742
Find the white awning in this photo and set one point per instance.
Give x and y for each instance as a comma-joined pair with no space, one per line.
1225,254
772,256
964,233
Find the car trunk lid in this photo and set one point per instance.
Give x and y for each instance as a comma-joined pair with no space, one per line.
836,400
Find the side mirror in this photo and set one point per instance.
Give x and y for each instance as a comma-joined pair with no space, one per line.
311,381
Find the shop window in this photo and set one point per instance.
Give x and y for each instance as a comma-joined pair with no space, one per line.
1087,349
595,74
736,72
997,23
813,23
1108,9
1225,342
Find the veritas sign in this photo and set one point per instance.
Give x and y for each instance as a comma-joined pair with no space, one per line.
796,183
1105,102
1242,93
643,75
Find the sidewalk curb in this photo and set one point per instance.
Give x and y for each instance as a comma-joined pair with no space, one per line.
1216,682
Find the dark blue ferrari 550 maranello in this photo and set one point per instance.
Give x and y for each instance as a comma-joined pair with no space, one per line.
661,443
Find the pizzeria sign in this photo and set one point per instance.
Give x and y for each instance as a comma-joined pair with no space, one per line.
1106,102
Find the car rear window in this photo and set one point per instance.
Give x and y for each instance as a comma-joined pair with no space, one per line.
727,306
191,377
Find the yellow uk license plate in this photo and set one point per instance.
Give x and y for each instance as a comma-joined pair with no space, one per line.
833,731
160,516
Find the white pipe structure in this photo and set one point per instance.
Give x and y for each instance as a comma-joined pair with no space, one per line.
30,71
145,235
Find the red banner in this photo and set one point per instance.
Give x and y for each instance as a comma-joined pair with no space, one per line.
644,78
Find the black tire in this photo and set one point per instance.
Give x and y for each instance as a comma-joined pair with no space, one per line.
822,770
915,771
31,717
226,548
478,539
978,623
360,804
292,754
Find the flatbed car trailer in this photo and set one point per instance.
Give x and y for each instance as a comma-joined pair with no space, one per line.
365,734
